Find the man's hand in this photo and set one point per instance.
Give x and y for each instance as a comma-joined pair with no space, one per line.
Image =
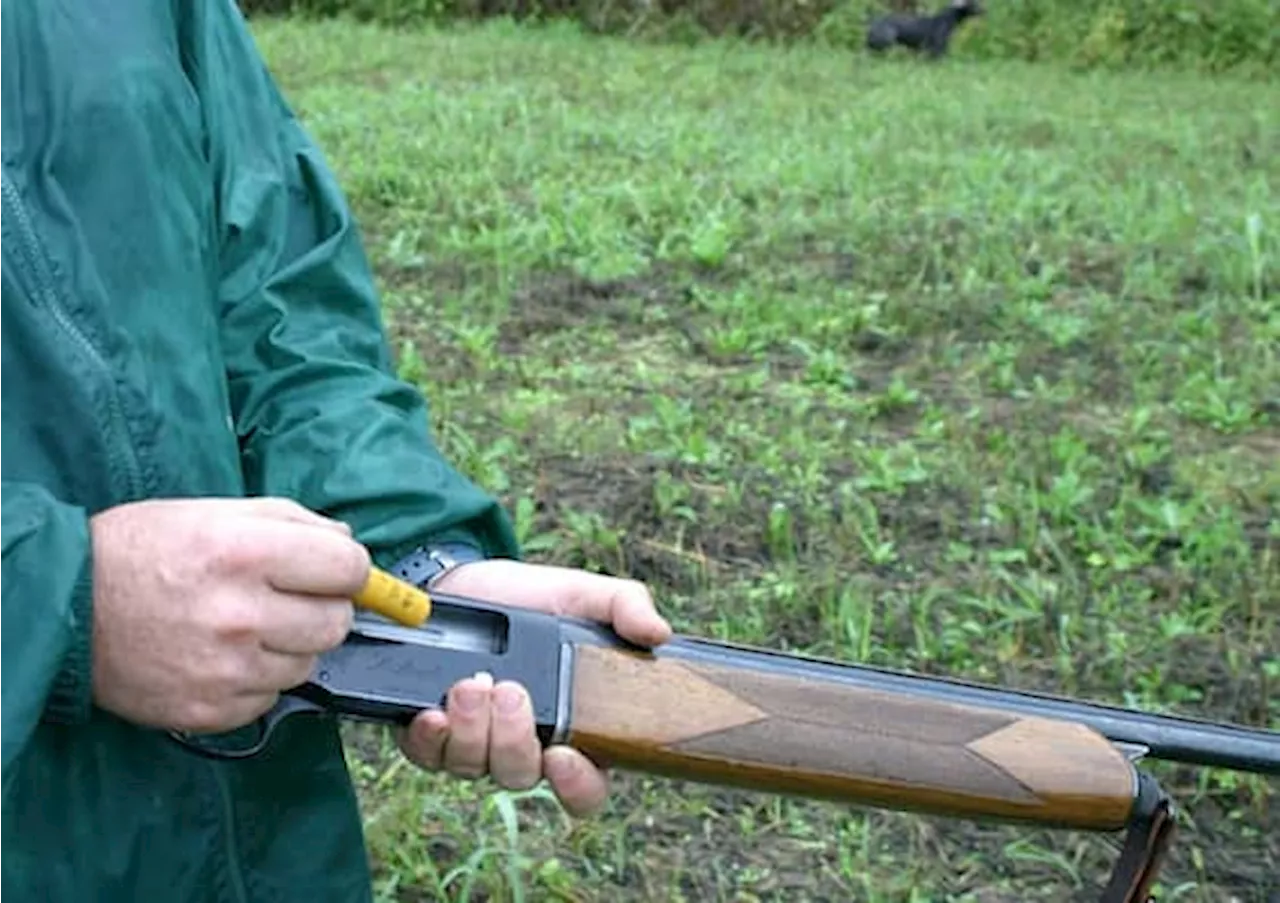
205,609
488,729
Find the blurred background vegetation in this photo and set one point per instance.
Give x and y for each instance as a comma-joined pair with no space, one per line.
1241,36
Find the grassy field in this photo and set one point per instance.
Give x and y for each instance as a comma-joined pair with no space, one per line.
962,369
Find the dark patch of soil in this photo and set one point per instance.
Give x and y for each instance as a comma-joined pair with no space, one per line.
1101,268
446,361
682,556
925,517
555,301
1259,526
432,278
1236,696
1095,366
623,491
563,300
831,262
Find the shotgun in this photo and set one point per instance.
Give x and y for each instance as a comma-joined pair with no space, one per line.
728,714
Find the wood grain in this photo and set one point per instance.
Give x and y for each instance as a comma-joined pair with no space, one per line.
784,734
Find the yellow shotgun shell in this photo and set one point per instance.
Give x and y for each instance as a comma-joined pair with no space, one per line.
392,598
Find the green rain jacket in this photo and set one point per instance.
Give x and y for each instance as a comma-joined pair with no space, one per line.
188,311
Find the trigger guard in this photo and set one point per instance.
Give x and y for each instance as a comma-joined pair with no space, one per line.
285,706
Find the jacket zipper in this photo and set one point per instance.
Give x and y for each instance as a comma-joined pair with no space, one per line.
38,265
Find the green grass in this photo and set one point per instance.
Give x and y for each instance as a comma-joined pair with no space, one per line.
966,369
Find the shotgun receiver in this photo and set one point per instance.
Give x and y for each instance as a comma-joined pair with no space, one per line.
720,713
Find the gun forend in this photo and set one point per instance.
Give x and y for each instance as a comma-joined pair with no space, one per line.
806,735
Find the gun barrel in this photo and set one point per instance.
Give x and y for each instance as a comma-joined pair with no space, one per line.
1169,738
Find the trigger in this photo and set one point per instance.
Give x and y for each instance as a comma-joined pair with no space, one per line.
287,705
219,746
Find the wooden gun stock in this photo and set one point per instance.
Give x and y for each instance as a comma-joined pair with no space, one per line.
786,733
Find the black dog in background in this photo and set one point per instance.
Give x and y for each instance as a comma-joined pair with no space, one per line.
923,34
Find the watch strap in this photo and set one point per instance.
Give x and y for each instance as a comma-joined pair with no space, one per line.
427,564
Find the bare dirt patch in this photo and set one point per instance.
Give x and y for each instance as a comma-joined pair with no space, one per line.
558,301
623,491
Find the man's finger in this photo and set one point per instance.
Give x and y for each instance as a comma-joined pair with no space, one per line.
275,672
581,787
317,562
625,604
305,625
466,751
633,615
423,741
515,755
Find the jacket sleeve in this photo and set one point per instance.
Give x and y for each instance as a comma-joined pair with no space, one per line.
46,574
321,415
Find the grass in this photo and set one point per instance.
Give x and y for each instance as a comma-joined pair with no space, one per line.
965,369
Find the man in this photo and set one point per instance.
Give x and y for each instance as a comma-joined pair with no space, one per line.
204,448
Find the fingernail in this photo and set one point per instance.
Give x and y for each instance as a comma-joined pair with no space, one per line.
508,699
469,698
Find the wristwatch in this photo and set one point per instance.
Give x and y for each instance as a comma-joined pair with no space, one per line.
425,565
